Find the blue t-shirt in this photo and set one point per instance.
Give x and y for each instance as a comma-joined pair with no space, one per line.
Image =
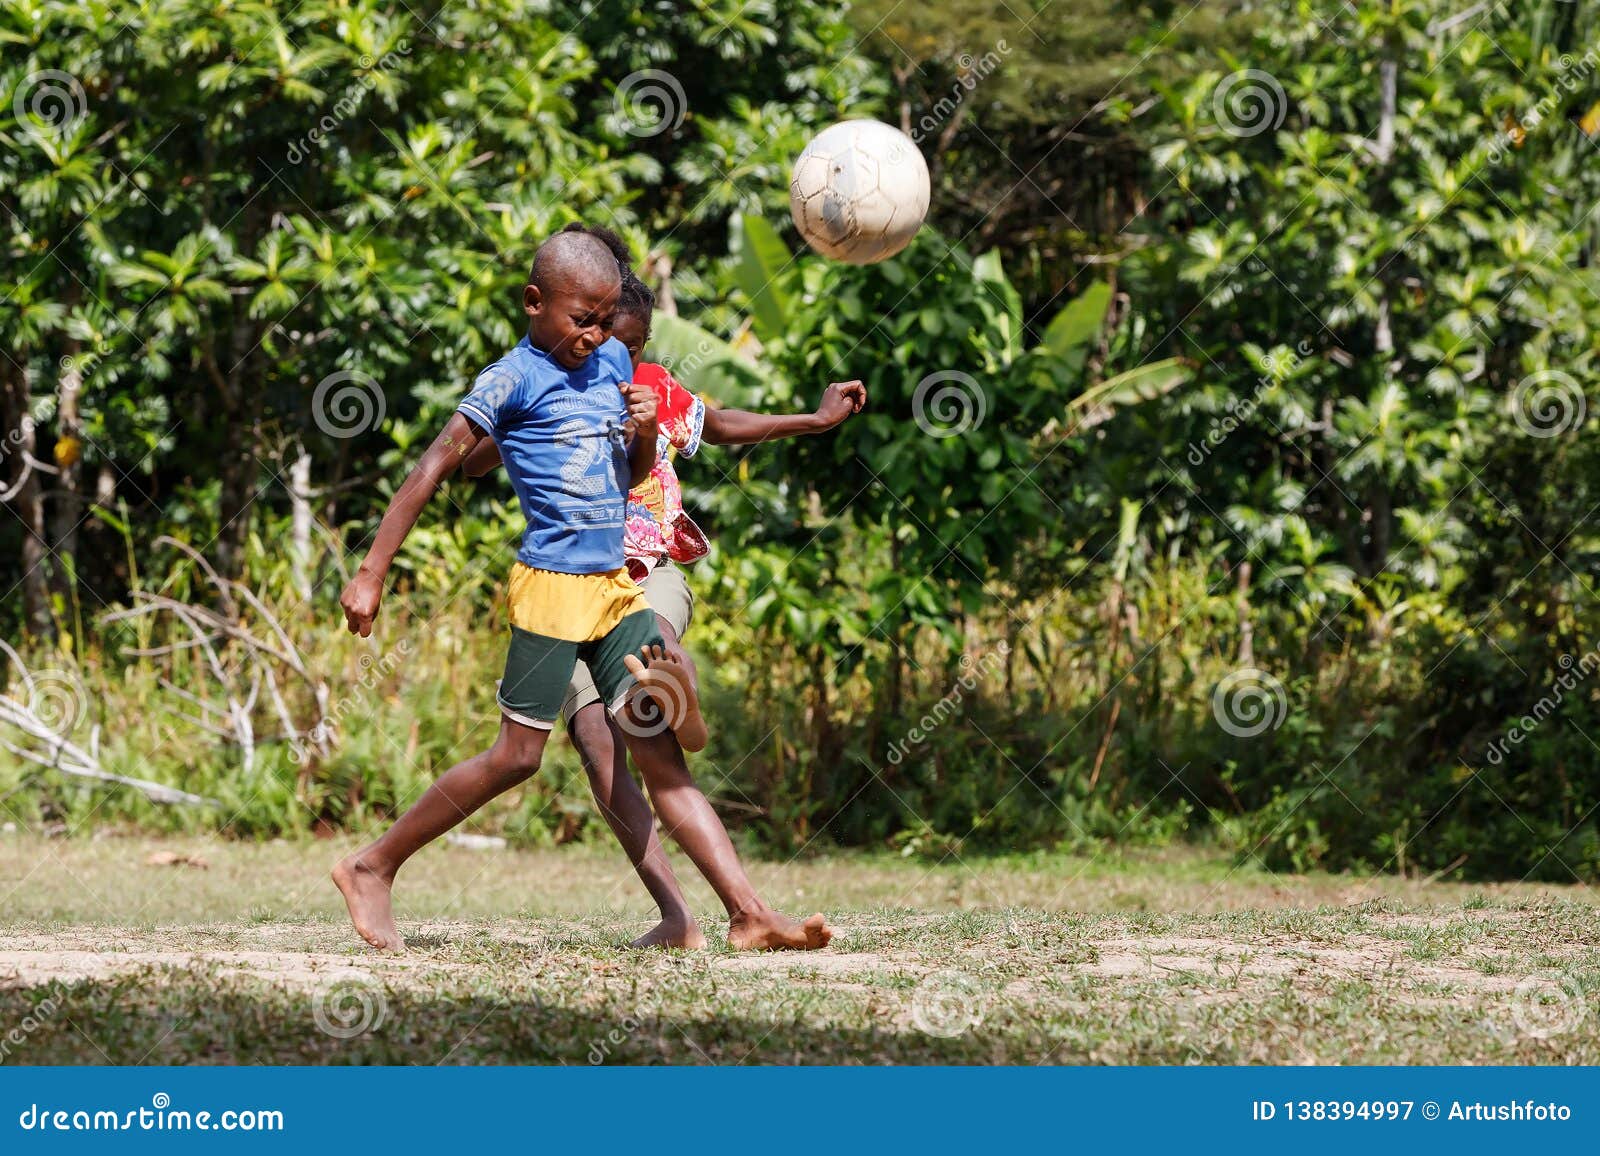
559,432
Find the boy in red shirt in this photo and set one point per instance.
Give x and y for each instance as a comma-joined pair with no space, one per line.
659,535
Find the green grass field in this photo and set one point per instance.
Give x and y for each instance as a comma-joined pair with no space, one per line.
520,957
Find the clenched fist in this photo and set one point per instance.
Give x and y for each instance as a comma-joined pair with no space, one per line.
641,401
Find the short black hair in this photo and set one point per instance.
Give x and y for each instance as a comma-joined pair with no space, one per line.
636,300
573,252
619,247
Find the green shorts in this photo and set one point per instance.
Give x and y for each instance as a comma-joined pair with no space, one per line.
539,668
669,595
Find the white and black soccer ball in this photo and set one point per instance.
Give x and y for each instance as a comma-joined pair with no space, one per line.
859,191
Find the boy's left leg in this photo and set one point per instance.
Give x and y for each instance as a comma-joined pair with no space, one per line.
538,669
366,877
685,811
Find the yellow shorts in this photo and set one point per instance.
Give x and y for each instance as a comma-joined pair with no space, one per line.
560,620
571,607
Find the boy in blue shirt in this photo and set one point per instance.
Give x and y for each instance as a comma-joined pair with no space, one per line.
575,434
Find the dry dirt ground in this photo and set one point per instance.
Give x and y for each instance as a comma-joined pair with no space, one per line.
129,951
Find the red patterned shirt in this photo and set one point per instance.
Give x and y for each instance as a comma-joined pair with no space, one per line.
656,524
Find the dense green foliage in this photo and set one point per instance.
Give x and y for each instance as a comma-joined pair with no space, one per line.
1226,470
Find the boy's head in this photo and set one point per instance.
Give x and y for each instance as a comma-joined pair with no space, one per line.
635,303
571,296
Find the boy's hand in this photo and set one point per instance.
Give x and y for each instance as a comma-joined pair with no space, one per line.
641,401
839,401
360,602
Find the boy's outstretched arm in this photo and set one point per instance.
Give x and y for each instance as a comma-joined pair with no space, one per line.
740,427
361,597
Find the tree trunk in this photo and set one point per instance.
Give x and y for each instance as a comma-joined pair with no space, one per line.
300,522
1247,632
1383,337
68,511
26,497
243,401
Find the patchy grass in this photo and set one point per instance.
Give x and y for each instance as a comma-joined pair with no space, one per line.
519,957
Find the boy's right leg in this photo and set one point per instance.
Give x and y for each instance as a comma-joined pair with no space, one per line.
367,876
684,809
628,813
690,820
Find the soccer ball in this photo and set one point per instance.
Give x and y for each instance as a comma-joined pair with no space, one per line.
859,192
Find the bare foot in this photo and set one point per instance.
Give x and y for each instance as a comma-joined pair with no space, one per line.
666,682
673,933
366,894
770,931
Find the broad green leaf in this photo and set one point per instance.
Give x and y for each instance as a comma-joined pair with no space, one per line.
992,277
704,362
763,261
1079,321
1099,403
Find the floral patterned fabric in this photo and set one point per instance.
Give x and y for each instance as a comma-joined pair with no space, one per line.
656,523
